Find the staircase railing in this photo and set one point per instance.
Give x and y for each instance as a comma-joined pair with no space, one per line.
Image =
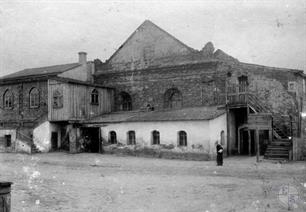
240,95
278,120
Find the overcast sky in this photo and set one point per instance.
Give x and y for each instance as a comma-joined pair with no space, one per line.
41,33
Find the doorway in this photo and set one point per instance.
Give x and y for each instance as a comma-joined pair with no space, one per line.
91,139
245,147
54,141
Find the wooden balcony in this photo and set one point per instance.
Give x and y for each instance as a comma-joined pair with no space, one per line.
237,95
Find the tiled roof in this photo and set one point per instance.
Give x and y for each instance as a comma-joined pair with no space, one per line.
42,71
185,114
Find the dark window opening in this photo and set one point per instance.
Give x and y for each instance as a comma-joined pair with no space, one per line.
34,98
57,99
8,100
125,101
243,83
95,97
8,140
173,98
131,138
112,137
155,138
182,138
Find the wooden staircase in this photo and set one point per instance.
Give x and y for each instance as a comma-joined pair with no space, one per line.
280,147
279,150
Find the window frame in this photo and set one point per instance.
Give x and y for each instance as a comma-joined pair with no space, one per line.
57,98
155,135
173,99
293,83
8,100
182,135
125,103
36,98
111,133
94,97
131,137
8,140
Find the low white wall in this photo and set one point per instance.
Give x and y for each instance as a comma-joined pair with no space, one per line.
42,135
204,133
22,146
17,145
216,126
3,147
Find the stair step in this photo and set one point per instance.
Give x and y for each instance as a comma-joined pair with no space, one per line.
277,155
278,149
280,158
282,140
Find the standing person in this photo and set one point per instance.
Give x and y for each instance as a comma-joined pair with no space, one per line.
219,154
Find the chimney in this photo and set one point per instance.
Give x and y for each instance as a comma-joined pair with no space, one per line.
82,58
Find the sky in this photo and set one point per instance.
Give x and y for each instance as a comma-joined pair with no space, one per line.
41,33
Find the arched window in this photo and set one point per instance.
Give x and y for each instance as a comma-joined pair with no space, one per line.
125,101
182,138
94,97
112,137
57,99
173,98
155,138
34,98
8,100
131,138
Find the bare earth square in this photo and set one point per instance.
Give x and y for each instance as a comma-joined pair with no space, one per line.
95,182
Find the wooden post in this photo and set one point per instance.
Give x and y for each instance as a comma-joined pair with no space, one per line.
228,133
237,94
249,141
100,141
257,144
270,135
238,141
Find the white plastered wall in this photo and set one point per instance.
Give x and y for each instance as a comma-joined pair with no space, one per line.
3,133
42,135
204,133
17,145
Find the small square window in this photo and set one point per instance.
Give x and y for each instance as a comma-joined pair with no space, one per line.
291,86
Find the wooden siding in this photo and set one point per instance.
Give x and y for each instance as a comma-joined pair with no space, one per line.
77,101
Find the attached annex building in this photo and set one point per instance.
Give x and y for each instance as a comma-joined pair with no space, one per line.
155,90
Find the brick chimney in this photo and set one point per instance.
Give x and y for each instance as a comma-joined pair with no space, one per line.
83,58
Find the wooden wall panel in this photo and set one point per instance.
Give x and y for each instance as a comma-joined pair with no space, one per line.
77,101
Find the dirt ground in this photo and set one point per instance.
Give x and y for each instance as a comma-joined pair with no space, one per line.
95,182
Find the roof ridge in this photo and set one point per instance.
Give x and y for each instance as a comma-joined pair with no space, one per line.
45,70
50,66
159,28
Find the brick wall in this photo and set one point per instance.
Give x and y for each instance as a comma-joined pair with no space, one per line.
21,109
270,85
149,86
204,84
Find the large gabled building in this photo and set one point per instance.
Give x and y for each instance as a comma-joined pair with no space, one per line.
156,90
154,70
